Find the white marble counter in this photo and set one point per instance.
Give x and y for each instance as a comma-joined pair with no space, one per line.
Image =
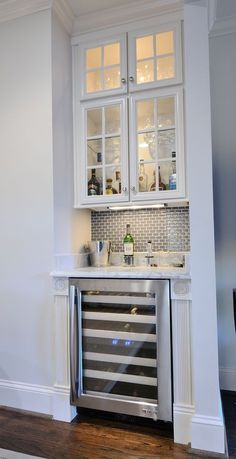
140,272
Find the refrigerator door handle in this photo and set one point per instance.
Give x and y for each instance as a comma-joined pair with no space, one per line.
75,337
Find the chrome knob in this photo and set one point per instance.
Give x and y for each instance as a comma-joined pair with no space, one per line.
123,80
131,79
124,189
133,189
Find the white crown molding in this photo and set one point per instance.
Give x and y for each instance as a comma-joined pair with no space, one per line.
64,13
223,26
12,9
114,16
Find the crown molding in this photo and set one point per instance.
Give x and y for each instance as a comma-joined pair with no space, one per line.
64,13
114,16
224,26
12,9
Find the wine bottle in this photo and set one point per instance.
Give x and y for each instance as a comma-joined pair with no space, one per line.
93,184
172,179
128,247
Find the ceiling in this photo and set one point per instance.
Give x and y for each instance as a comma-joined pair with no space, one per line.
91,6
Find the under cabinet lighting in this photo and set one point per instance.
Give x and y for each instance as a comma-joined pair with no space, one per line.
151,206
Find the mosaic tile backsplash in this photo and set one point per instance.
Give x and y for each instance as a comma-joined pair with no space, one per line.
167,228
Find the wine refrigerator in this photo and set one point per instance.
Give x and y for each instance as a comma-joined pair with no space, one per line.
120,347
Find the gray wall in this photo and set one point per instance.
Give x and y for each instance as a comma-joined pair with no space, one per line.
223,100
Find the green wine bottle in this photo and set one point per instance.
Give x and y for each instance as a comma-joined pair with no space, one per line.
128,247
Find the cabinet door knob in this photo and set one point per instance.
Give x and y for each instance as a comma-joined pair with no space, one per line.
133,189
123,80
131,79
124,189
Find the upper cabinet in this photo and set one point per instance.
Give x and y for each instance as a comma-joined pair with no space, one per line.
128,117
155,57
130,62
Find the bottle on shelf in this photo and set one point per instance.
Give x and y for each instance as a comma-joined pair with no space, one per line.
143,178
93,184
99,178
128,247
172,179
118,181
109,186
162,185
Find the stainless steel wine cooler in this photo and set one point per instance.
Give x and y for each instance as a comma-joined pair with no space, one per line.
120,352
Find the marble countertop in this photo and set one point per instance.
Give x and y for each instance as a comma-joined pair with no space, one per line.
141,272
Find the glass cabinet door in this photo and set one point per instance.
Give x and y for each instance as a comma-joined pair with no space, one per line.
105,149
103,68
155,58
157,145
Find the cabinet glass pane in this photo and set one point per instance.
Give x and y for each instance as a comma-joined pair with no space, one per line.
166,144
94,122
165,112
112,120
146,176
145,114
165,68
112,78
165,169
112,54
112,150
147,146
145,71
94,152
93,58
164,43
144,47
94,81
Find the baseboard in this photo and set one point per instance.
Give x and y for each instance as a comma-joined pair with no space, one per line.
61,407
228,378
182,423
28,397
208,434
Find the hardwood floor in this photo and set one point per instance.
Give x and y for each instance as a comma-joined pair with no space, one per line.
94,438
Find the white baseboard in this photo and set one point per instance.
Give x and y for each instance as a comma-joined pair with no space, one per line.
182,423
28,397
61,408
228,378
208,434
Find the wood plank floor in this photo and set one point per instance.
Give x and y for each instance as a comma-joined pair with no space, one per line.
94,438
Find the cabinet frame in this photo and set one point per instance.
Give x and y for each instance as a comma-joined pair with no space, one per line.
177,92
171,26
81,179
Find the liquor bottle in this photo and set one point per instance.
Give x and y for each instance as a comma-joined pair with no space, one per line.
142,179
128,247
93,184
99,178
172,179
109,186
162,186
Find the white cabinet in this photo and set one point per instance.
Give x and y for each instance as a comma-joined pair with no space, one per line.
128,109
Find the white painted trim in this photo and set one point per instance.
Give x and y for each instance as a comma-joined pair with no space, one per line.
64,13
228,378
223,27
28,397
211,13
208,434
61,408
115,16
17,8
182,423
